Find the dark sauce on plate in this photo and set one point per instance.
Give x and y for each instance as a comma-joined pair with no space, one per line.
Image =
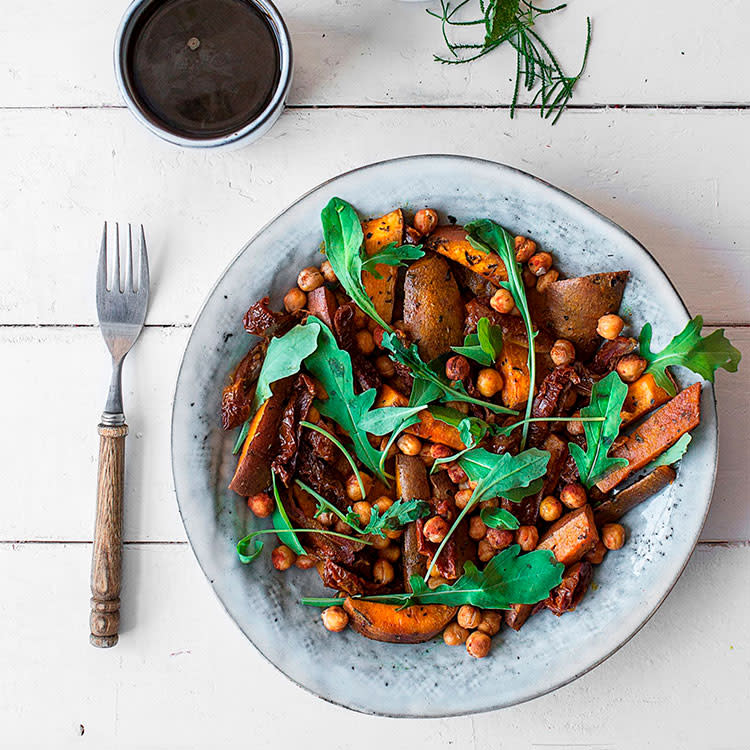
203,68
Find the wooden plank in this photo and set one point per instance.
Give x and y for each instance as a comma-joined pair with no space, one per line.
184,676
51,495
353,52
63,178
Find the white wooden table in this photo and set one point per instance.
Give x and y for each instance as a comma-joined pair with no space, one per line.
657,140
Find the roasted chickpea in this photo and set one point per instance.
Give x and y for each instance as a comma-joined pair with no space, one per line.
527,537
394,533
478,645
383,503
353,490
334,619
550,509
543,282
342,527
469,616
440,451
425,220
529,279
613,536
363,339
309,279
261,504
477,528
596,554
631,367
327,518
391,553
502,301
382,571
426,455
295,299
364,510
282,558
384,365
436,581
305,562
456,474
575,427
491,622
462,498
610,326
499,539
409,445
525,248
392,451
540,263
411,236
562,352
488,504
455,635
328,273
573,495
379,542
436,529
485,551
489,382
457,368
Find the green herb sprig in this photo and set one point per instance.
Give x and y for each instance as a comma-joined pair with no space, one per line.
391,255
483,346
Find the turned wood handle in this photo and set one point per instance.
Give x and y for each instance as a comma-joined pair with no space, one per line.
106,559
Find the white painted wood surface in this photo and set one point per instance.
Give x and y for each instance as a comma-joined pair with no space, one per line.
672,173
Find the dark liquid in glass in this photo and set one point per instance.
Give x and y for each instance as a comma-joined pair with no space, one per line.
203,68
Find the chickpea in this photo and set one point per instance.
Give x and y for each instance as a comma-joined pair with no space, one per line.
573,495
391,553
462,498
525,248
469,616
544,281
305,562
529,279
327,518
436,529
436,581
631,367
478,644
489,504
440,451
309,279
426,455
456,474
563,352
394,533
540,263
596,554
489,382
382,504
382,571
613,535
502,301
328,273
384,365
411,236
282,558
527,537
334,619
353,489
365,344
409,445
485,551
550,509
491,622
610,326
342,527
392,451
295,299
261,505
477,528
455,635
576,426
425,221
379,542
457,368
499,539
364,510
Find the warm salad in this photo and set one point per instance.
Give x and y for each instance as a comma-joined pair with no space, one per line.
447,430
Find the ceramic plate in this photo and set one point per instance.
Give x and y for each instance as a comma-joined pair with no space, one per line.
427,680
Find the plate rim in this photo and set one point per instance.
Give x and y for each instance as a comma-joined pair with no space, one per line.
615,226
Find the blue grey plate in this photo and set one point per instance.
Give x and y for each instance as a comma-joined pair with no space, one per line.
431,679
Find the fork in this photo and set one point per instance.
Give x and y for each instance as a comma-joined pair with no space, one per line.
121,306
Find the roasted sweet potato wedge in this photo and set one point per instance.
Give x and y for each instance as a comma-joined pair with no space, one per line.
513,365
625,500
386,622
450,241
643,396
661,430
570,538
378,233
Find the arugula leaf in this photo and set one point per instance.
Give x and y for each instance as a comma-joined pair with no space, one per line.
472,349
398,515
281,523
241,437
470,429
508,578
483,346
671,455
607,398
423,391
391,255
701,354
499,518
386,420
252,537
333,368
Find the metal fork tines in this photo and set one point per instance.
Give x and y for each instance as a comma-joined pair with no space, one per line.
121,303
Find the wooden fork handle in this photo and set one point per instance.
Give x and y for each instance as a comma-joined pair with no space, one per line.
106,560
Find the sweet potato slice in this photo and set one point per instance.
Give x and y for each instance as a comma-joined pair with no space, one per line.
386,622
378,233
570,538
644,395
661,430
321,303
450,241
411,483
513,365
625,500
433,309
571,308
